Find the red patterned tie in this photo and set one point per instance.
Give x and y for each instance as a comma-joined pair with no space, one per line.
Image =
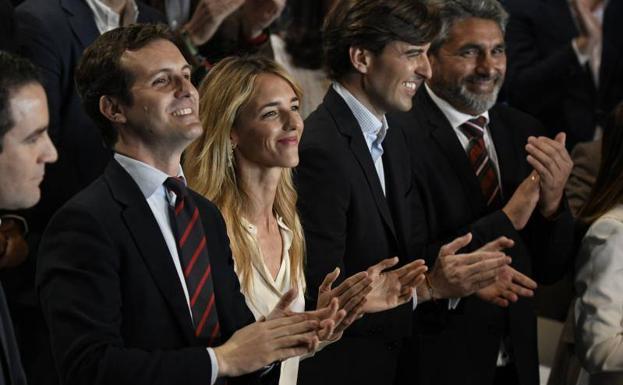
479,158
191,245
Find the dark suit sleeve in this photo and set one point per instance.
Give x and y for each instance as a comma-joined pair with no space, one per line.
81,297
323,206
535,81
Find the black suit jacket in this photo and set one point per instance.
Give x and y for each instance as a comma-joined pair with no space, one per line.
111,295
350,224
461,346
11,372
544,76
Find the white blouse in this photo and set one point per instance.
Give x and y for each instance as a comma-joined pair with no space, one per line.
265,291
599,307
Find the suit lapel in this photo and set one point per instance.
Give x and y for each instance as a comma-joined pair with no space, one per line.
445,137
81,20
148,238
348,126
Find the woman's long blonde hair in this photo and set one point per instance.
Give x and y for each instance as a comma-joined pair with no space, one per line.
228,87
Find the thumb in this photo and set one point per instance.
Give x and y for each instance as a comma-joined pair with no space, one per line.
561,138
328,281
286,300
456,245
383,265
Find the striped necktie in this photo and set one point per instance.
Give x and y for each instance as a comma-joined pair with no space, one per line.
479,158
193,252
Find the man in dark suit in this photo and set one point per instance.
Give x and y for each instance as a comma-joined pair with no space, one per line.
25,149
135,274
53,34
490,171
355,185
565,62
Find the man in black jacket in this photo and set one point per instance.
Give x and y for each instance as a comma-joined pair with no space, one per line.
491,171
25,149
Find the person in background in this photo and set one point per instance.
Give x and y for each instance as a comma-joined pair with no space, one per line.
298,48
565,63
599,277
25,149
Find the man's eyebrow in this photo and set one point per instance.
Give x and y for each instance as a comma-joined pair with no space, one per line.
35,133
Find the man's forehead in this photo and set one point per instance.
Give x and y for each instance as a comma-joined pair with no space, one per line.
156,55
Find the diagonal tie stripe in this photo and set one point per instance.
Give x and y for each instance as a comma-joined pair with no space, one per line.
195,261
479,159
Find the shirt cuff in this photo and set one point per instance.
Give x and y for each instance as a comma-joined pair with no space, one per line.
453,303
582,58
414,299
214,363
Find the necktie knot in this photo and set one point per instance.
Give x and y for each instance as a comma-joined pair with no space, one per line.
474,128
176,185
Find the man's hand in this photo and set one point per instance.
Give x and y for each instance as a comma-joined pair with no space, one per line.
208,17
508,287
591,30
350,294
263,342
519,208
395,287
553,163
257,15
458,275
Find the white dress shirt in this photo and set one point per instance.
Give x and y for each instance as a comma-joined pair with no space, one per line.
373,130
266,291
106,19
599,306
457,118
151,183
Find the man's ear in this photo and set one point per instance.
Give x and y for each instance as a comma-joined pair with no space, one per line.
360,59
112,109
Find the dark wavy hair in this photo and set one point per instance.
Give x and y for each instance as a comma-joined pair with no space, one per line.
371,25
608,188
15,72
100,73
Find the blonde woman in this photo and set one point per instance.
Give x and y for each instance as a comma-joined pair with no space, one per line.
242,163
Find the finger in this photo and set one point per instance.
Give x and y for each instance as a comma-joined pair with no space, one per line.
383,265
286,320
295,329
476,257
544,173
549,164
547,148
498,244
510,295
410,278
352,286
524,280
328,280
286,300
293,340
500,302
354,301
409,267
455,245
487,266
521,291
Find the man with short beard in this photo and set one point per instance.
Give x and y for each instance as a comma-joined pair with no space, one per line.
487,169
